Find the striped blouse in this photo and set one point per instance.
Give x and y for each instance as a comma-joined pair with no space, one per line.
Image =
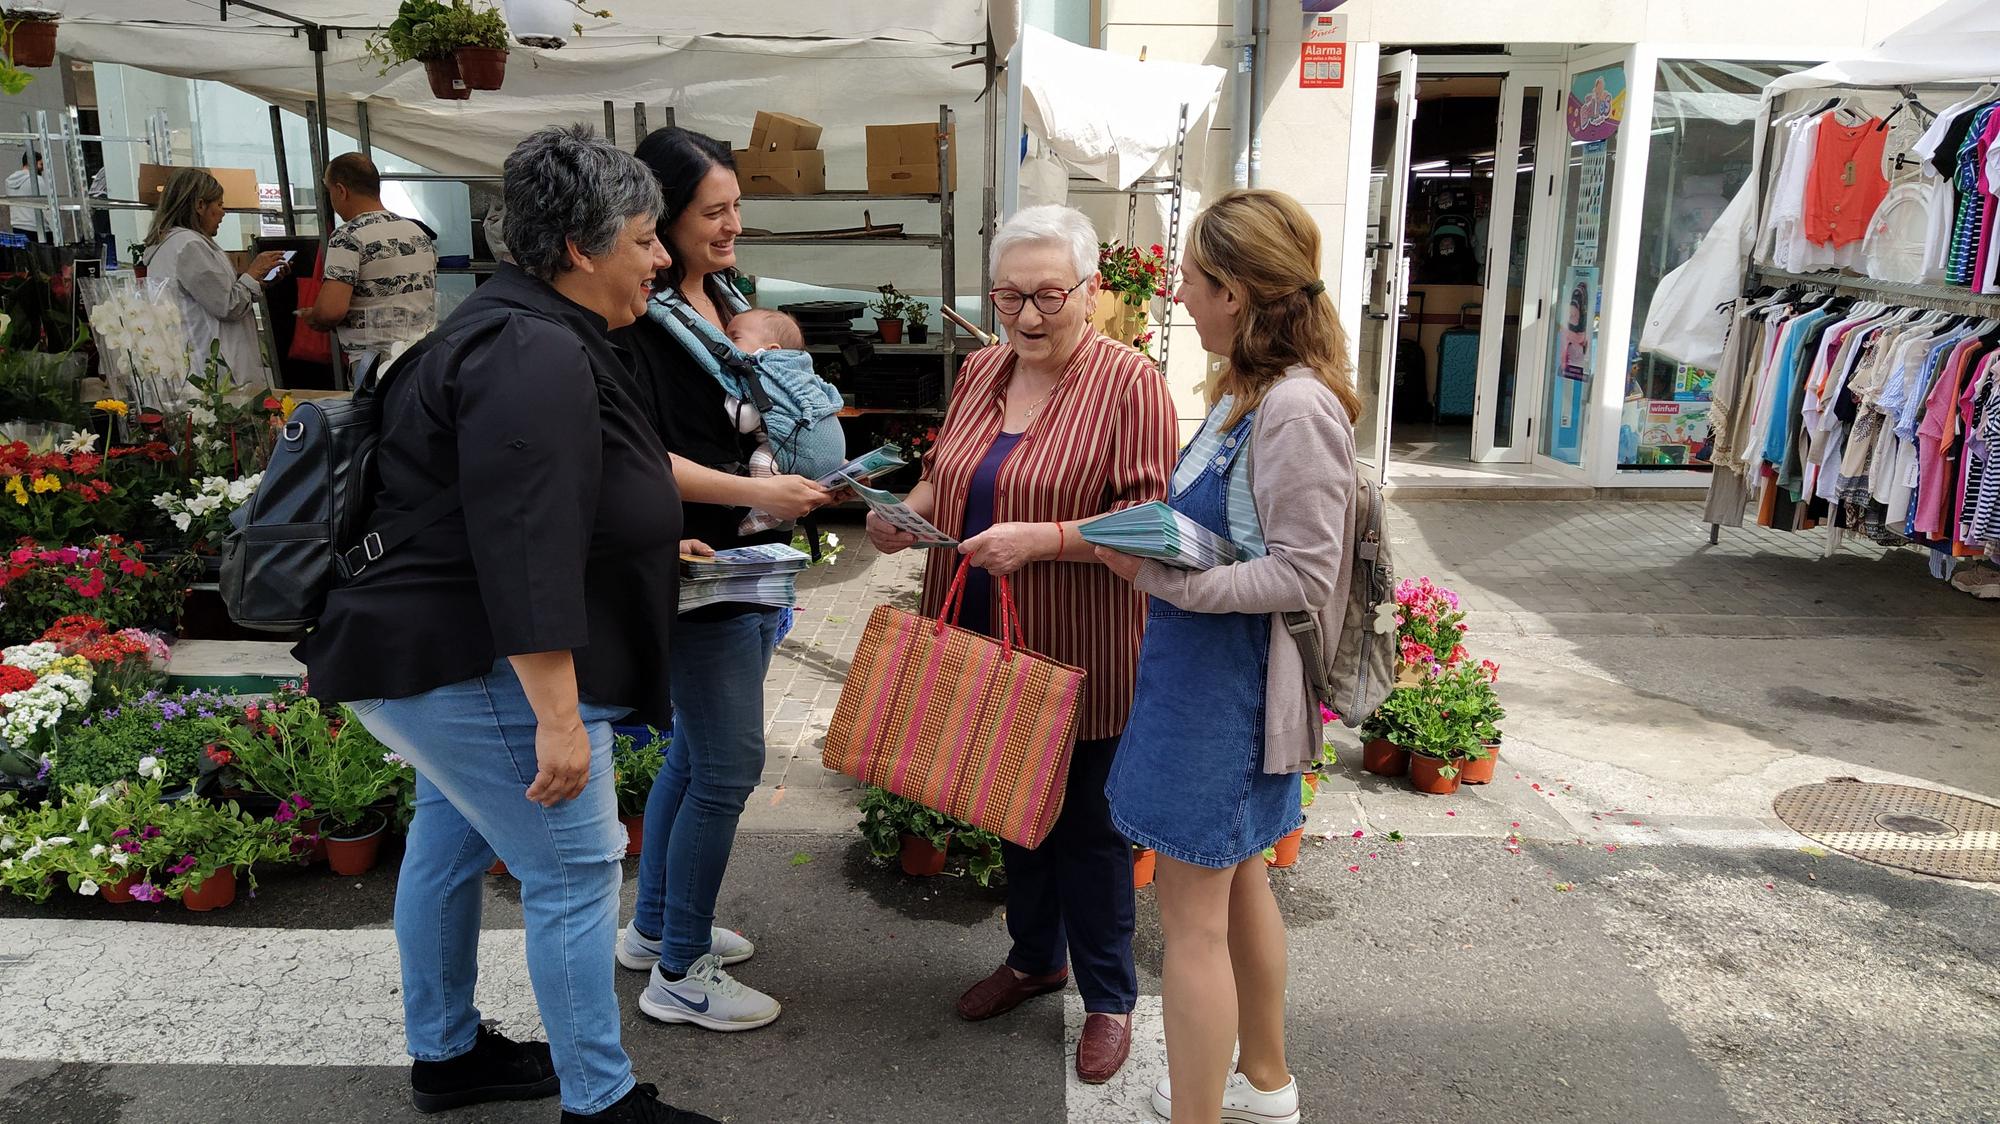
1104,440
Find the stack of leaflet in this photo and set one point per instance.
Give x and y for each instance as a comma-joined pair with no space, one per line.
759,575
1154,530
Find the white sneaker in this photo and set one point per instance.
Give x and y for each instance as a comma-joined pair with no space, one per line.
1242,1102
707,997
639,954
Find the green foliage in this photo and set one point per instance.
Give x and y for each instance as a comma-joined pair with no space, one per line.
635,766
173,729
429,29
886,818
203,837
1440,717
289,745
38,386
893,305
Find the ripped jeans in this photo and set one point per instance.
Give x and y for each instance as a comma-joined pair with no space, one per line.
473,747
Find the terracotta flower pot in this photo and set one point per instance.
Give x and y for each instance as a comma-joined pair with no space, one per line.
1480,769
1426,775
1312,780
34,43
635,832
446,83
483,68
119,892
1287,849
921,859
352,851
216,891
1143,861
1385,758
892,330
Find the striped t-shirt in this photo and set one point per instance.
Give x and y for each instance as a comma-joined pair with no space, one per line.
393,267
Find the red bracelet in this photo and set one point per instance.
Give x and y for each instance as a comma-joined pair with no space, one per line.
1060,542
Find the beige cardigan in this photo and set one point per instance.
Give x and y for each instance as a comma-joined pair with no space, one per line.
1302,480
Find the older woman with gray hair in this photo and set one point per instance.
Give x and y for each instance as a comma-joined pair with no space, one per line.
218,301
1046,431
518,601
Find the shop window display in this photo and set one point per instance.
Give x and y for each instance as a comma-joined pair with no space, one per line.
1702,140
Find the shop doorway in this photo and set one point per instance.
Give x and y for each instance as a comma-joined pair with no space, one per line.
1461,206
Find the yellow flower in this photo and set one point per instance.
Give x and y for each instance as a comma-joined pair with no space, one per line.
47,484
287,405
15,489
110,406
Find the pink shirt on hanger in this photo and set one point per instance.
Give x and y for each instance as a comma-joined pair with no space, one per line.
1934,433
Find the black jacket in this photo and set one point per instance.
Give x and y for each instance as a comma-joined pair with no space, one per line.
567,534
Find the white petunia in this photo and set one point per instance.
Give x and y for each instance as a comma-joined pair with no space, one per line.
82,824
150,769
86,887
120,858
97,851
183,520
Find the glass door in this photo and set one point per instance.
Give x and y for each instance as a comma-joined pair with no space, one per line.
1514,317
1386,278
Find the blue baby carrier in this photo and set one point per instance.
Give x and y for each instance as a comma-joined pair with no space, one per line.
801,410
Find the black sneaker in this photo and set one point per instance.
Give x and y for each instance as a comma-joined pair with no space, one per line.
640,1106
495,1069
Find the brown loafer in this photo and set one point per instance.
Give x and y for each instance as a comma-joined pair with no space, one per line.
1003,991
1105,1045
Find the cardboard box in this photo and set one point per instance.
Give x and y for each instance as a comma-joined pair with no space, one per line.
782,132
781,173
902,160
239,185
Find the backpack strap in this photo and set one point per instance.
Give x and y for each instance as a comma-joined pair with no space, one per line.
1303,626
373,545
726,356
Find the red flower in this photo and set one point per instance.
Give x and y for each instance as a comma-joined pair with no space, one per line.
15,679
271,403
252,713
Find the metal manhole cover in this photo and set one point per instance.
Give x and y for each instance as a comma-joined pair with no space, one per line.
1897,825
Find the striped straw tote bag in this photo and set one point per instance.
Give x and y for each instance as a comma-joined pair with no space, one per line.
976,728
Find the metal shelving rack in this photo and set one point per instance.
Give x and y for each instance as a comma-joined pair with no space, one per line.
1174,187
946,345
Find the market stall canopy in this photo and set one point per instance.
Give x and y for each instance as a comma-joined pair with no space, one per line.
715,63
844,64
1959,41
1108,115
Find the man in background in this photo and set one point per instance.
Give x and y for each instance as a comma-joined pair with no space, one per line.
380,291
29,222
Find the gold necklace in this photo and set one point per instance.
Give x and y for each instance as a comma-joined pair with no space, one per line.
1029,417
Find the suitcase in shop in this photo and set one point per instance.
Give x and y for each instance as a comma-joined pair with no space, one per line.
1458,368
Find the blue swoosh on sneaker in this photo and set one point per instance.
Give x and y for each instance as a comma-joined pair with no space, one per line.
683,1001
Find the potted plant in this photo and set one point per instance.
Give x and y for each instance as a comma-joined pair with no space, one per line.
289,747
890,308
1487,713
916,317
634,765
1430,630
171,730
1128,280
1285,852
1144,861
980,851
412,37
1380,753
899,828
30,35
214,843
1434,721
477,39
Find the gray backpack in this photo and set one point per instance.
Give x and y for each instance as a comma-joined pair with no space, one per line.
1354,678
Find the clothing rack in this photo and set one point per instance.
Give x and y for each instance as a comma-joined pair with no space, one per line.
1944,298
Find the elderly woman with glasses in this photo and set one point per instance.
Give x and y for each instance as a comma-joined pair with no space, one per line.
1046,431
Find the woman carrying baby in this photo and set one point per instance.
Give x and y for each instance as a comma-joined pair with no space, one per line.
721,651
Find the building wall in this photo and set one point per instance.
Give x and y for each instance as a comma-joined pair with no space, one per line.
1306,134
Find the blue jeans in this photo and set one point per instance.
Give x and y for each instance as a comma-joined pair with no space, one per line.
713,764
473,747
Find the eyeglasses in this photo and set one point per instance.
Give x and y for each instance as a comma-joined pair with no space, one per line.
1047,301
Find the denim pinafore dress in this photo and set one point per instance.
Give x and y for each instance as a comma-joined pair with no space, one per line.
1189,778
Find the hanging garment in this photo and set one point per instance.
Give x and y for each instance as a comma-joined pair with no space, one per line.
1898,245
1845,183
1692,309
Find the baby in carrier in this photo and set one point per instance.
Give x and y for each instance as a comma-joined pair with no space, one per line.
768,337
